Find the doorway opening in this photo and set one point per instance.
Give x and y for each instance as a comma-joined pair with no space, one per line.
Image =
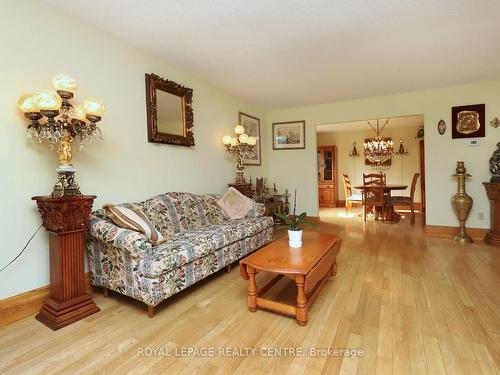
342,162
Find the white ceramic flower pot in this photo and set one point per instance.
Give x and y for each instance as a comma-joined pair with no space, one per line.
295,238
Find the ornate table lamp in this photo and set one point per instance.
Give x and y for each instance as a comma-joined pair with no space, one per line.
64,123
237,146
66,213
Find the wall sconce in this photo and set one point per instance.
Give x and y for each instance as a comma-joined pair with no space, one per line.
354,153
420,132
495,123
402,150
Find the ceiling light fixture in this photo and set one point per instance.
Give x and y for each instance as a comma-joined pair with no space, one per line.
378,150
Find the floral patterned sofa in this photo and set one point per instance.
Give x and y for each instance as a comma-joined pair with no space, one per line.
201,241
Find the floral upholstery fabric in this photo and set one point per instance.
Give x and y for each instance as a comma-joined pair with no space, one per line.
187,246
131,241
257,211
115,269
201,241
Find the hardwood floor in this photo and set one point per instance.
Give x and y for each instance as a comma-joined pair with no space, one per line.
413,304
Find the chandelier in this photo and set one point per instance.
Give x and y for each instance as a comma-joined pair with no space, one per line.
378,150
238,146
63,123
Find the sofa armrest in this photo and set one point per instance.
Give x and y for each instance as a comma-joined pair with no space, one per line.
257,211
134,242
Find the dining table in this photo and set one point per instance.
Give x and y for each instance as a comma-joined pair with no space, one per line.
391,215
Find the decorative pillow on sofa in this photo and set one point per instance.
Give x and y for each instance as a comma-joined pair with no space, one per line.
235,204
134,219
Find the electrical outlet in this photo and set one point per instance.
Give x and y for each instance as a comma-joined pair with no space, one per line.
480,215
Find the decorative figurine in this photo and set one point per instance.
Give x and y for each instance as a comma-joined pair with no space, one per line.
462,203
495,165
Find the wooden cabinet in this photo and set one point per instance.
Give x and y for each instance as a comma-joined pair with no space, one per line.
327,176
245,189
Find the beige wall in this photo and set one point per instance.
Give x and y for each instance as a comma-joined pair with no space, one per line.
36,43
402,167
297,168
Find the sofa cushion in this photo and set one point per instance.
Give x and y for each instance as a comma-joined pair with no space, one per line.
235,204
163,220
213,212
186,210
186,246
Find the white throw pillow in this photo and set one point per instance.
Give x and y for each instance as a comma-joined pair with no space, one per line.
235,204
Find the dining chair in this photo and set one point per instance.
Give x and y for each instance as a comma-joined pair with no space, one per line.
373,193
407,201
350,198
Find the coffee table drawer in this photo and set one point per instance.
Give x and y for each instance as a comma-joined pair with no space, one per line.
322,268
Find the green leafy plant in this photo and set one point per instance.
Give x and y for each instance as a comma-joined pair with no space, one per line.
294,222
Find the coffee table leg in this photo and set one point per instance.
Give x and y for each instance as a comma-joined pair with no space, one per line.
334,267
252,289
301,308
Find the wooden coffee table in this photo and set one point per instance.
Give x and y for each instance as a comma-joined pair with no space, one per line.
308,266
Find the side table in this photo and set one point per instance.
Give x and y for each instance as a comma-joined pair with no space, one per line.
66,219
276,206
245,189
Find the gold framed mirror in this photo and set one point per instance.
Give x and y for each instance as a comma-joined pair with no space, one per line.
169,112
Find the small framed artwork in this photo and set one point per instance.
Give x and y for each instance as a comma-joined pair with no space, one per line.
441,127
252,128
468,121
289,135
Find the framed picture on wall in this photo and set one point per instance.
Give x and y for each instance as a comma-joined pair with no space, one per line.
289,135
252,128
468,121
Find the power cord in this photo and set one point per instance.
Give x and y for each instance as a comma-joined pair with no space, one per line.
24,248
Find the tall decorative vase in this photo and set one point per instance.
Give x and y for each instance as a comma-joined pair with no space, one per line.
462,203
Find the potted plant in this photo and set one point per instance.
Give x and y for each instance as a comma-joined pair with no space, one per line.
294,224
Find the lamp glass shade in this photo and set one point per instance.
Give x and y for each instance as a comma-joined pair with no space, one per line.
239,129
64,82
28,103
227,139
243,138
234,141
252,141
93,107
48,100
79,112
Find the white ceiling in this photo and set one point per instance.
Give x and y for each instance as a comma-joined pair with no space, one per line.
281,53
394,122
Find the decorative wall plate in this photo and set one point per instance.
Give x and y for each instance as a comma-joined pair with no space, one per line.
468,121
441,127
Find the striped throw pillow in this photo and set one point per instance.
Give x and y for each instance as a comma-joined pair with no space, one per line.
134,219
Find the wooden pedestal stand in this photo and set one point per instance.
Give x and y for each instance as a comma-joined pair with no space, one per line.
493,193
66,219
